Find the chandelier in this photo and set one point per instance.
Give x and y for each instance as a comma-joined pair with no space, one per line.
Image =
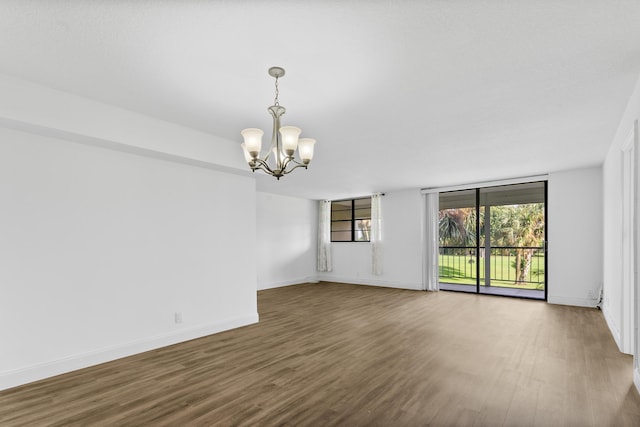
280,159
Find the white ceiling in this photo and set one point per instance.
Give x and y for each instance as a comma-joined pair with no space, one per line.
398,94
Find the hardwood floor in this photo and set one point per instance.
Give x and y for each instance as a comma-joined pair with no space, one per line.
332,354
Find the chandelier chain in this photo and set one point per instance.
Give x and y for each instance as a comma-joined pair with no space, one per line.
275,101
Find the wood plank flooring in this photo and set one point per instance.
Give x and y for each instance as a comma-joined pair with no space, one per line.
331,354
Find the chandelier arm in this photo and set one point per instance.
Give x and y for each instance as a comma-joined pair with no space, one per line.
266,170
293,160
299,165
285,163
262,165
261,168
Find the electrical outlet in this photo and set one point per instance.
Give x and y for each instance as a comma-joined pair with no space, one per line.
177,317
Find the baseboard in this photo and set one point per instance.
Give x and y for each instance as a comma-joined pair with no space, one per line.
14,378
371,282
613,328
279,284
636,379
578,302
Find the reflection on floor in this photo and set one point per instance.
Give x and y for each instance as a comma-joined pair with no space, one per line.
494,290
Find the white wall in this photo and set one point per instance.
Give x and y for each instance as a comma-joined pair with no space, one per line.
575,267
38,109
612,257
402,230
99,249
612,188
575,236
286,240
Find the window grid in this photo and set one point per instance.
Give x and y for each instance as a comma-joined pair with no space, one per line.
351,220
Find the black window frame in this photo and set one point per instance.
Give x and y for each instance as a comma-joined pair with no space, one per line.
353,220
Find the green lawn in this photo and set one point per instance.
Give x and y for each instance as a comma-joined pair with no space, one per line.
460,269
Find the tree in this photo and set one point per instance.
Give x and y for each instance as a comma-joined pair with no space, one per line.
517,228
520,227
529,234
457,227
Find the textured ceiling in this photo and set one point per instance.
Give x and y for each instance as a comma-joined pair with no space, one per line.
399,94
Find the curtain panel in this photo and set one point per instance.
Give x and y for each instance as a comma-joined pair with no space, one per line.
377,248
324,236
431,242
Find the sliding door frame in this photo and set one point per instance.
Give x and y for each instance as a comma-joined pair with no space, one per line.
477,188
545,241
478,240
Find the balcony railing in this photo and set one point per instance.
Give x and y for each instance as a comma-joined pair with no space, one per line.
458,265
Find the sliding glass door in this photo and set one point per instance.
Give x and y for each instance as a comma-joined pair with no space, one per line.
492,240
458,233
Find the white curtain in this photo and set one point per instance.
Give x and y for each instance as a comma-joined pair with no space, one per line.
377,249
324,236
431,239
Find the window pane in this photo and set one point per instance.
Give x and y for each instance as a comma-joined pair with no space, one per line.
341,215
341,205
363,213
341,231
363,203
363,224
341,226
361,237
341,211
341,236
362,230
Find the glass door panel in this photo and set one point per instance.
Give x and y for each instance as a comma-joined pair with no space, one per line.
458,229
512,242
